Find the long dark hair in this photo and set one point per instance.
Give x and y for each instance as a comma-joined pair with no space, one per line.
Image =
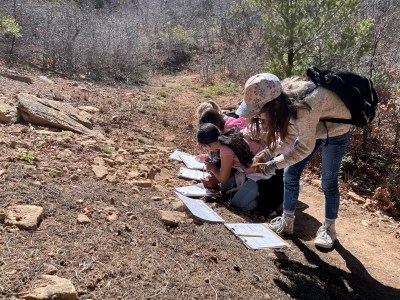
279,112
209,133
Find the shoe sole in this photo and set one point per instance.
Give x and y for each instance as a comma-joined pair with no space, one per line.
324,246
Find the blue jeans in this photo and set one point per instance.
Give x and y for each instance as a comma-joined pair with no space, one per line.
245,198
333,150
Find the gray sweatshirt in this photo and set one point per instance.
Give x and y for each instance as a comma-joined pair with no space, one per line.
308,128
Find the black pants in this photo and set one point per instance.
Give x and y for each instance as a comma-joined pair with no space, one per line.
270,193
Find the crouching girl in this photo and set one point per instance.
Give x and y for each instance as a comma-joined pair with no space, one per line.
236,152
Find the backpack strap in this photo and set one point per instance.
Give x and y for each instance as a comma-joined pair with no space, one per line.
309,90
338,120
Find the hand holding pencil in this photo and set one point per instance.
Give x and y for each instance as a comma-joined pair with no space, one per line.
265,168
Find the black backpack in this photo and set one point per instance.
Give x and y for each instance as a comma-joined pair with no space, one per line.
356,91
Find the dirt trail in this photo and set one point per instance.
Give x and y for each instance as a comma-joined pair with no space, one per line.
366,244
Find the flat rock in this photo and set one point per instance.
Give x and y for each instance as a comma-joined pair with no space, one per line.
83,219
133,174
89,109
111,178
99,171
161,189
54,114
24,216
172,218
178,205
141,183
119,160
112,217
17,77
353,196
170,138
45,79
52,287
50,269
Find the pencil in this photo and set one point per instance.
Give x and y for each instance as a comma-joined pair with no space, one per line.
250,234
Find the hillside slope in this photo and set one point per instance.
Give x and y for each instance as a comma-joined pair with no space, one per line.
126,252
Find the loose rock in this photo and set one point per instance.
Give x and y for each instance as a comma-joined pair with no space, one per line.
89,109
52,287
24,216
141,183
83,219
356,197
112,217
172,218
178,205
99,171
45,79
8,113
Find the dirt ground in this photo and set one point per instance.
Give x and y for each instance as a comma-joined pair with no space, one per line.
136,256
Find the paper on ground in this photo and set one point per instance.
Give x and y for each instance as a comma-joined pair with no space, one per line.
176,155
191,162
269,238
200,209
192,174
195,190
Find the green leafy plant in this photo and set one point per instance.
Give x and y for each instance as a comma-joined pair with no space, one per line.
8,25
52,172
106,149
212,90
158,104
66,132
177,33
27,156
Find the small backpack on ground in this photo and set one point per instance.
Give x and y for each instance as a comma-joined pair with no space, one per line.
356,91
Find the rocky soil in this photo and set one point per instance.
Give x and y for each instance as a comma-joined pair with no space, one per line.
111,228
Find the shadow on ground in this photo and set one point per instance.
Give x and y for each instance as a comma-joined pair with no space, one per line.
320,280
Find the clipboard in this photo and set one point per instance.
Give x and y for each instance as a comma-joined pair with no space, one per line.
195,190
192,174
191,162
256,235
176,155
200,209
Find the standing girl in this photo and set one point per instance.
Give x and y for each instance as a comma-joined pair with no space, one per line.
295,131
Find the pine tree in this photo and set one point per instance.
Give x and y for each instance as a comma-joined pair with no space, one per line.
326,33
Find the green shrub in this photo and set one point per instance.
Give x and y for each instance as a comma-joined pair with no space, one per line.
27,156
106,149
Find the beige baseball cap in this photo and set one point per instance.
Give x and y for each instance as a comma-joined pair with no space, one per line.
259,90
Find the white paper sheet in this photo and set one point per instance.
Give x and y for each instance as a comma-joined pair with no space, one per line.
266,239
191,162
200,209
192,174
195,190
176,155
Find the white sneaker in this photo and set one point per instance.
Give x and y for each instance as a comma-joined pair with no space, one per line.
282,225
326,236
